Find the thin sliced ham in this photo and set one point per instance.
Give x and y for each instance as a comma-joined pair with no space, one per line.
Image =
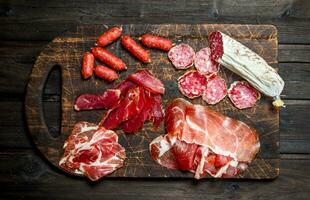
222,146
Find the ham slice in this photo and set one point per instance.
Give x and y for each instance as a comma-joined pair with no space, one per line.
207,142
92,152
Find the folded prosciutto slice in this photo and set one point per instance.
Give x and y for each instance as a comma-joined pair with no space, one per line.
91,151
204,141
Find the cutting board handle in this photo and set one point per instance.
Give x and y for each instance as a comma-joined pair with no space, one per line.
34,107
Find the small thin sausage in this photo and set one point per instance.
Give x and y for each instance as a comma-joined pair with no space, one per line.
109,36
108,58
105,73
87,65
135,49
156,42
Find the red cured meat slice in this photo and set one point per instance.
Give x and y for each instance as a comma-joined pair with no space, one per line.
136,122
104,100
225,146
182,56
97,101
130,106
216,90
124,86
242,95
204,64
91,151
156,115
192,84
148,81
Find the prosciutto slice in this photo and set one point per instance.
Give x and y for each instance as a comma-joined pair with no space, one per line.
91,151
204,141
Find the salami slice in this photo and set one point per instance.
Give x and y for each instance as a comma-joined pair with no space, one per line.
182,56
216,90
192,84
204,64
242,95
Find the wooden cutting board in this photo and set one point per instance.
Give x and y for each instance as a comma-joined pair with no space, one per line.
66,51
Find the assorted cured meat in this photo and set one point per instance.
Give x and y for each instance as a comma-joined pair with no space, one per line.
204,141
182,56
198,139
192,84
92,151
242,95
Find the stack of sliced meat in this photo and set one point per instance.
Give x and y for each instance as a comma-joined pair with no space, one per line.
205,82
130,103
204,141
92,151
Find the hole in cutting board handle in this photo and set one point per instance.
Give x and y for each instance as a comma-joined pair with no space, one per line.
52,101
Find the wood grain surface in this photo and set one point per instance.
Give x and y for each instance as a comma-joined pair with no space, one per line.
66,51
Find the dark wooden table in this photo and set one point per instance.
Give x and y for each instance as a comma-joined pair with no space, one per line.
27,26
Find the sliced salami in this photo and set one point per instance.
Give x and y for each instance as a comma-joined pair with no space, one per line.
216,90
204,64
182,56
192,84
242,95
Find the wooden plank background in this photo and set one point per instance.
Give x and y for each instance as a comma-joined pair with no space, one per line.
27,26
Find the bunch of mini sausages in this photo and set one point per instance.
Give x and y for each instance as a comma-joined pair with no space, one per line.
114,63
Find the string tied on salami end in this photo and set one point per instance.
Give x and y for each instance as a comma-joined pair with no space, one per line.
278,103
